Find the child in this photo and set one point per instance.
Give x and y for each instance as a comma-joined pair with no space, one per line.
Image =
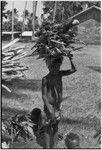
52,96
72,141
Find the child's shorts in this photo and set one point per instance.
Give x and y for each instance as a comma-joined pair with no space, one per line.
47,113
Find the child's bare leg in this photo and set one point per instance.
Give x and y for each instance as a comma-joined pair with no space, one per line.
55,140
47,140
47,137
55,136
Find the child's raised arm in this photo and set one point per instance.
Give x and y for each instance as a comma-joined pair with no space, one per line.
70,71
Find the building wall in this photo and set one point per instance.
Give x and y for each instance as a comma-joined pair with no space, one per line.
90,31
97,15
84,16
89,14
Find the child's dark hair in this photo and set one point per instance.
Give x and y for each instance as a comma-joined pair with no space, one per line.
72,140
51,61
58,60
35,115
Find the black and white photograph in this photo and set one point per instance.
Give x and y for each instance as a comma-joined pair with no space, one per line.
50,74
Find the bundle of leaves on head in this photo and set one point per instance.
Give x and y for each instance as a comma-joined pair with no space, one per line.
54,41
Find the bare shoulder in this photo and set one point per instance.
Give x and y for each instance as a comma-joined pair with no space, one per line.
44,80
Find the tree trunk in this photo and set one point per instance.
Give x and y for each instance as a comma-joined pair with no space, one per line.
12,21
33,20
63,14
54,14
23,28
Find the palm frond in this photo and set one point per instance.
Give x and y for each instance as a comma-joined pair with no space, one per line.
11,68
55,40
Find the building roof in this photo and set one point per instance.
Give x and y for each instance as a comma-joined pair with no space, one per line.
88,9
27,33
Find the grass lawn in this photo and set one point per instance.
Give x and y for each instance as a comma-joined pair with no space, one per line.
81,96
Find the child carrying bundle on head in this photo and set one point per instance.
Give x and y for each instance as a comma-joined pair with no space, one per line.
52,96
52,45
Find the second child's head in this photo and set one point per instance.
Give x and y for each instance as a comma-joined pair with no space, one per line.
36,115
72,141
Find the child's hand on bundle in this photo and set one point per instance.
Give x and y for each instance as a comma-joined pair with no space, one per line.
70,56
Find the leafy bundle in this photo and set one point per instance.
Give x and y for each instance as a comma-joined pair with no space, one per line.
22,126
17,126
54,41
11,68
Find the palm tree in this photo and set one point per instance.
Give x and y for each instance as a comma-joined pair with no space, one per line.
9,14
54,14
34,16
12,21
25,14
3,5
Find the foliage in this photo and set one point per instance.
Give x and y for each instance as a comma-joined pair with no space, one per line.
18,26
9,14
3,4
29,25
96,3
70,8
29,18
24,126
11,68
98,136
66,9
7,25
54,41
26,12
17,126
25,17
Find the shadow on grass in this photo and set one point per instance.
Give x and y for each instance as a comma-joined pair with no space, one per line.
66,98
40,139
9,112
95,68
34,143
17,85
88,122
34,85
70,121
15,95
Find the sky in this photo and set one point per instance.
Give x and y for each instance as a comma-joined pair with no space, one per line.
19,5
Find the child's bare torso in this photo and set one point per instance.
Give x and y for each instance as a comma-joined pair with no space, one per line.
54,89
